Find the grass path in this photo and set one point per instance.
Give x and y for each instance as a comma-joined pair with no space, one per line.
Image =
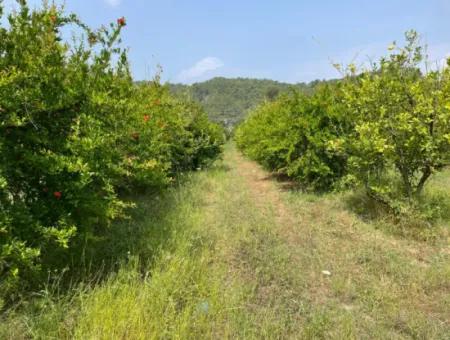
242,257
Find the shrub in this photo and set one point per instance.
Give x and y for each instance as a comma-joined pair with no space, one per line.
74,131
291,136
402,123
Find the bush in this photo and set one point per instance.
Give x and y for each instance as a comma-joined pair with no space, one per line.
74,132
402,124
292,134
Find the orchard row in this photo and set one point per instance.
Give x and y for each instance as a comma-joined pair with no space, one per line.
385,129
76,134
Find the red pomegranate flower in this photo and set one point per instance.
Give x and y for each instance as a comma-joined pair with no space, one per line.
57,194
146,118
121,22
53,18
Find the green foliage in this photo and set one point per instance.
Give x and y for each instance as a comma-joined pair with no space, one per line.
387,129
402,124
291,136
74,132
228,101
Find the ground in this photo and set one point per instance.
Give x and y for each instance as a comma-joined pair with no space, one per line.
241,255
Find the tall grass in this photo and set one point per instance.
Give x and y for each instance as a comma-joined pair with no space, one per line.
166,278
228,254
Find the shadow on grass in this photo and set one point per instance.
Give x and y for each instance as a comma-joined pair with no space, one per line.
423,220
146,231
220,167
285,183
288,184
364,207
142,234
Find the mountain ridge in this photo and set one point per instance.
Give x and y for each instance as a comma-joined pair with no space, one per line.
228,100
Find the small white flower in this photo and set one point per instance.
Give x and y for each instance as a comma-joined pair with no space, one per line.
326,272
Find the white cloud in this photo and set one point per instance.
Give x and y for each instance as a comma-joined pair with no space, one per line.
113,3
201,68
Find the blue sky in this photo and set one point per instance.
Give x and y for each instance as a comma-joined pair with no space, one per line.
285,40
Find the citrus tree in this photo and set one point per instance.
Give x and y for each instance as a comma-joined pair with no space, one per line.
402,122
291,136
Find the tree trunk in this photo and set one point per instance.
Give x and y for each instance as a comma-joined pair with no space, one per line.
426,173
406,182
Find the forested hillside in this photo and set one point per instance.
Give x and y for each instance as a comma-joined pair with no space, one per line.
228,100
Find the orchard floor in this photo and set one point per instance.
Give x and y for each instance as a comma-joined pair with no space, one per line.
243,256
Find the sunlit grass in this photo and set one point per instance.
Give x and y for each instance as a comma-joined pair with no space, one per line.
227,254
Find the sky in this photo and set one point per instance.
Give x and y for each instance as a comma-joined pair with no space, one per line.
285,40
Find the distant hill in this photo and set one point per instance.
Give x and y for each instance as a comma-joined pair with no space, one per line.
227,101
